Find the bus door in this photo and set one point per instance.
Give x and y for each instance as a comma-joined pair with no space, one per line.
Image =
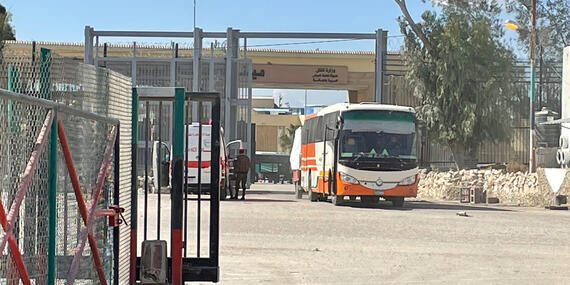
332,133
325,176
335,163
329,173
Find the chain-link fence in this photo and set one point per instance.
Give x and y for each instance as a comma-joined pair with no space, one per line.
48,234
20,124
548,87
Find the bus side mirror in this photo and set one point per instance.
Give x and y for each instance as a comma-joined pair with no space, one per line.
339,122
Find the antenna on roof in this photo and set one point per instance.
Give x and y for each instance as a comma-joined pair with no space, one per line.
194,14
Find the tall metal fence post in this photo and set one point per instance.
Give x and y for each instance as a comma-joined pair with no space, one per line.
134,186
380,59
177,198
45,74
52,182
116,188
44,86
15,139
45,69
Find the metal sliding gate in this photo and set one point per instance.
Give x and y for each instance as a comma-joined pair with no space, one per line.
162,190
176,195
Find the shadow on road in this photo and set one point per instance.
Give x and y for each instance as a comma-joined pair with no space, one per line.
383,204
427,205
262,200
269,192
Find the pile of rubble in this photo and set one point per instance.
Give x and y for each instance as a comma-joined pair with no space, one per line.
516,188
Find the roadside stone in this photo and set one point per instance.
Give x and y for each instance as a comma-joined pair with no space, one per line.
515,188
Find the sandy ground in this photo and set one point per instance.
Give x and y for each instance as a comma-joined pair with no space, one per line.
271,238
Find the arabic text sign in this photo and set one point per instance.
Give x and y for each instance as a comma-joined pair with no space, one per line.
300,74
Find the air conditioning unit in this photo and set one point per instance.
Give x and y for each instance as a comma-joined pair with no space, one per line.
154,266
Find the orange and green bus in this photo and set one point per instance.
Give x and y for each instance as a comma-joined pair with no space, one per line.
365,151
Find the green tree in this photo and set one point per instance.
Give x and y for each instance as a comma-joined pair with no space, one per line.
462,74
6,30
286,139
552,26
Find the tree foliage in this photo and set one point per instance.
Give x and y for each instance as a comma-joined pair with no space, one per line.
552,26
462,74
6,30
286,139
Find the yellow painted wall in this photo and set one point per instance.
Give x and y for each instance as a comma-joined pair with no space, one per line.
274,120
262,102
268,129
266,138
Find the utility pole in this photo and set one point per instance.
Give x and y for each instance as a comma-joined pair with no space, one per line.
305,107
531,162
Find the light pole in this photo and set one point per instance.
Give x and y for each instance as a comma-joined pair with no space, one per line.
513,26
305,107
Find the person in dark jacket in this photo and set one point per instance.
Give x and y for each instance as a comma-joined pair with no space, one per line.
241,169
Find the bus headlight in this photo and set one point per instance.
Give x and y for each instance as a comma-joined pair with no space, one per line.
408,180
348,179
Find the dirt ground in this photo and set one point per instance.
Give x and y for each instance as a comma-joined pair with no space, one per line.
271,238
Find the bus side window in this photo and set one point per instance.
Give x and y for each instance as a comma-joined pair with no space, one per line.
311,129
330,125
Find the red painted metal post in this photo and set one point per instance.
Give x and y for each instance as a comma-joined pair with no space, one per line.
71,171
26,180
14,250
87,217
133,257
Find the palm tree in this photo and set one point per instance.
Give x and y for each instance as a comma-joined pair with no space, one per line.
286,139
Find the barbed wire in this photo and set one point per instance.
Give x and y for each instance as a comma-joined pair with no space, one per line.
221,44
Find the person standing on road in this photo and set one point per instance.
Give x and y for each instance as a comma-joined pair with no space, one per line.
242,168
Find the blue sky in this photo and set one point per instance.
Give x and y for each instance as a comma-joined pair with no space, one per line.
64,21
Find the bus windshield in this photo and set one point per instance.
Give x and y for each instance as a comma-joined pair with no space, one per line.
377,144
378,133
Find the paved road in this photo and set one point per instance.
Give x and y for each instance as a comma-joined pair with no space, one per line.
271,238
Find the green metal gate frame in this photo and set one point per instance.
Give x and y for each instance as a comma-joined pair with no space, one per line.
181,268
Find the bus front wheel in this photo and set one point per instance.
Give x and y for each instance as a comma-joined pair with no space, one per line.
298,191
369,199
397,201
313,197
337,200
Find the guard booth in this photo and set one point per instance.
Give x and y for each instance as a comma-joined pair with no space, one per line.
175,219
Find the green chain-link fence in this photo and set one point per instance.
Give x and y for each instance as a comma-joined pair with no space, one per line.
104,99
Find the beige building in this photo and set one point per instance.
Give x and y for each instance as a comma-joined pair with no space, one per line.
273,68
270,124
262,102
